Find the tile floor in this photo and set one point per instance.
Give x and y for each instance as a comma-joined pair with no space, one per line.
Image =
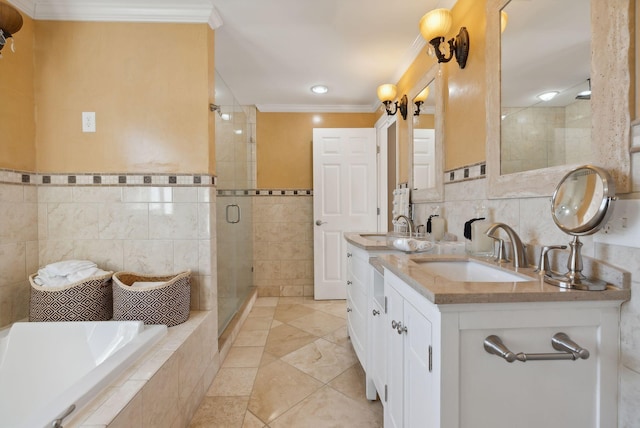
292,365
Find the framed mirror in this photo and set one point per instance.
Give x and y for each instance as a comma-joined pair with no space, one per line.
426,136
529,159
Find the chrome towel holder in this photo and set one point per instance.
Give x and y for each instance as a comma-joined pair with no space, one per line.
560,342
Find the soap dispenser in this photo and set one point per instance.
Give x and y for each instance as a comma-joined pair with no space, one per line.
435,225
477,242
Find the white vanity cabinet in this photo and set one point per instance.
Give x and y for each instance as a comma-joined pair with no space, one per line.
411,390
440,375
365,316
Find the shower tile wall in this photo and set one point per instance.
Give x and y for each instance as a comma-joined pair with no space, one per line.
283,245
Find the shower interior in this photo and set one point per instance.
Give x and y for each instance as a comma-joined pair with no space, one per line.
236,174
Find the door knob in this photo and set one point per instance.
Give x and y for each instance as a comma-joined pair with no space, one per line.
320,222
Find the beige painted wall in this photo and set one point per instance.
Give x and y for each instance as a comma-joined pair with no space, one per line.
284,150
17,123
149,84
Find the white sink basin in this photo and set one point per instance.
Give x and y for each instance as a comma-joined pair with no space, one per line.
470,271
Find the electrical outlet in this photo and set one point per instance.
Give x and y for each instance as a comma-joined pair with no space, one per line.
88,121
623,227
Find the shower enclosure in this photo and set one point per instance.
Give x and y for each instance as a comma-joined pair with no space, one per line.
235,170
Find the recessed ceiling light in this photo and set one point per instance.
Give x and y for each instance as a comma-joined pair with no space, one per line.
238,131
319,89
548,96
225,116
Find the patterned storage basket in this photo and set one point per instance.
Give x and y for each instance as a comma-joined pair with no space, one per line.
88,300
167,303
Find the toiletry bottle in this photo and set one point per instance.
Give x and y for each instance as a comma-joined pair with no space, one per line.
435,225
477,242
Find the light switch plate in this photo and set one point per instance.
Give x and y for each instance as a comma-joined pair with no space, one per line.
623,227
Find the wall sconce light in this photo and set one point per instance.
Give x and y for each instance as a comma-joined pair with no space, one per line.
420,99
434,26
10,23
387,93
504,18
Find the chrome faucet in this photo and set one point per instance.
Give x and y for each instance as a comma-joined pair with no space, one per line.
517,247
408,221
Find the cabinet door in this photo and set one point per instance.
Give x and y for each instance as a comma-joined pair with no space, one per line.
378,344
419,404
394,408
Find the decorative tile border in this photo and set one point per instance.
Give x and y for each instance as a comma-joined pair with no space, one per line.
465,173
265,192
22,177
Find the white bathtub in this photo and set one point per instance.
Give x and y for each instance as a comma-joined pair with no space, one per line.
47,367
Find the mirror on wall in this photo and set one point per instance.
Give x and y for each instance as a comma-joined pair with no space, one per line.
426,136
555,46
545,85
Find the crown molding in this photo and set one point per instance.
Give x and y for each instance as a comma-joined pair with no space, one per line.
312,108
409,57
186,11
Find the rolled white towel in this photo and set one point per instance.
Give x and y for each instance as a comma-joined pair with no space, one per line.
409,244
66,267
144,284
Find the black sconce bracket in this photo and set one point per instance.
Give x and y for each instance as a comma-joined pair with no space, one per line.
402,106
458,47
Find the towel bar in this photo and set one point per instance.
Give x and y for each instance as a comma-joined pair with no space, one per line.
560,342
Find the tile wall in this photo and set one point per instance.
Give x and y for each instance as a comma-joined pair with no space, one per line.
283,243
134,227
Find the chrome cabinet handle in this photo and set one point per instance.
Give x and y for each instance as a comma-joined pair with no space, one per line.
349,309
375,312
401,328
394,324
349,282
560,342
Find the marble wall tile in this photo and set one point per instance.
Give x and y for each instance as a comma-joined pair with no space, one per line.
99,194
147,194
51,251
204,220
185,194
123,220
19,222
72,221
108,254
173,221
185,256
628,409
204,257
148,256
12,263
12,193
55,194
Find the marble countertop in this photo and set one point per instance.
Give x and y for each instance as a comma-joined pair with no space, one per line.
441,291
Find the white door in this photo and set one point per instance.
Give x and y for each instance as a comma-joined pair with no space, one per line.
344,200
424,158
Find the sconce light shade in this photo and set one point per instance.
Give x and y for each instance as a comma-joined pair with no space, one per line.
504,18
420,99
387,93
10,22
434,26
436,23
423,95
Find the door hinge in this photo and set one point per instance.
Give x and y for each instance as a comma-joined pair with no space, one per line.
430,358
377,149
385,393
385,304
378,210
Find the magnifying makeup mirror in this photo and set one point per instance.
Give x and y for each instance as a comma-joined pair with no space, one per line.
581,205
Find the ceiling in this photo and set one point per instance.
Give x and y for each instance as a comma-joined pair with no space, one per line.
270,53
